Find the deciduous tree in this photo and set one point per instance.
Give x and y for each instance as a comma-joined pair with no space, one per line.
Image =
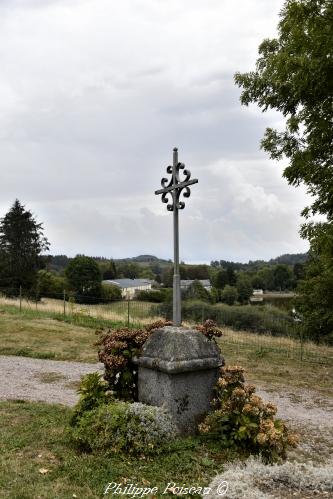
84,278
293,75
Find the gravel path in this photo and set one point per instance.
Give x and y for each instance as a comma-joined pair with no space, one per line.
300,405
42,380
55,381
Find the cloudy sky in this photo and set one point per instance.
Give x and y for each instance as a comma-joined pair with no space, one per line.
94,95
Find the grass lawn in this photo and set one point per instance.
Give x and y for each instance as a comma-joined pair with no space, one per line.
36,460
44,337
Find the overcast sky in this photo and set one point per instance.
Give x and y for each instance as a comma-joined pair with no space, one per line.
94,95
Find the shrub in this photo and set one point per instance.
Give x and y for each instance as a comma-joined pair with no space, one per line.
265,319
229,295
242,420
155,296
196,291
117,348
124,427
93,392
110,292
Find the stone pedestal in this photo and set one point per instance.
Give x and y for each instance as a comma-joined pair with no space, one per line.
178,369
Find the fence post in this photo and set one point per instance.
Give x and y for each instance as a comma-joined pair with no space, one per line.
301,344
64,303
20,299
128,312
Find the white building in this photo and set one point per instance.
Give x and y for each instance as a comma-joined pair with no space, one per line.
129,287
257,295
185,283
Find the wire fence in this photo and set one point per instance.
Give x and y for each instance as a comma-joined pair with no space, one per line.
260,334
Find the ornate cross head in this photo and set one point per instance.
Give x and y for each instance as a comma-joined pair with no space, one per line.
175,186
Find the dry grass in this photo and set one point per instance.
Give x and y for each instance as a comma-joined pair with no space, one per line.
114,311
276,360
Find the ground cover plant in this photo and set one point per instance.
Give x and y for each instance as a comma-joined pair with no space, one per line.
37,461
253,480
132,428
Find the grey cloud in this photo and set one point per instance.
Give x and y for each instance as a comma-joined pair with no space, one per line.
94,96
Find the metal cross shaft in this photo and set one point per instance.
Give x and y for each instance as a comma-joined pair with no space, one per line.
174,188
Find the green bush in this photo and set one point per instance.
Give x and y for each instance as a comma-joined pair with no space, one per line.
196,291
110,292
229,295
243,421
155,296
93,392
123,427
242,317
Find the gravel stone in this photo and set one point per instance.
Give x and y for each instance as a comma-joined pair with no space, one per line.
21,378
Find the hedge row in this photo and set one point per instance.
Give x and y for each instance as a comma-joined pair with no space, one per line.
243,317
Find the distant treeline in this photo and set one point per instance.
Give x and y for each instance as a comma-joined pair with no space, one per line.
278,274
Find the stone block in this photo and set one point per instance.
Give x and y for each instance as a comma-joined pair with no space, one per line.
178,369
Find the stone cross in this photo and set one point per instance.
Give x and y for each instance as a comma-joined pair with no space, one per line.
174,187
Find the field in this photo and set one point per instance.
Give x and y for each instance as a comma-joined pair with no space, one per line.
49,335
119,311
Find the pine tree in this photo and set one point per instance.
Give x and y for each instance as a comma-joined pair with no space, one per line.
22,242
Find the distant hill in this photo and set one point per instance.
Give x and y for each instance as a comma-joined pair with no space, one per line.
58,263
147,259
290,258
143,260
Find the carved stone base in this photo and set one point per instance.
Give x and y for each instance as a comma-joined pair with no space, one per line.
178,369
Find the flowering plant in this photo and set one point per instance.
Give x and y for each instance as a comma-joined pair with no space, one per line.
241,419
210,329
117,348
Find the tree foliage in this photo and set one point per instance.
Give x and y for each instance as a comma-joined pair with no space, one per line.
84,278
229,295
50,285
315,292
22,242
196,291
244,288
282,277
294,76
